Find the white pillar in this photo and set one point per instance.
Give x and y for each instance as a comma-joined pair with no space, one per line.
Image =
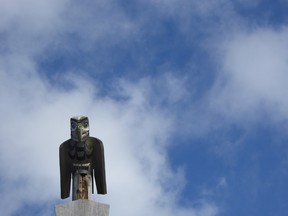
82,208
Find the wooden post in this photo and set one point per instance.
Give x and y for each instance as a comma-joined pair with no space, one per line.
82,186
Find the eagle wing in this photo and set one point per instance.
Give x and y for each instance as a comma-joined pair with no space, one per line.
65,171
98,165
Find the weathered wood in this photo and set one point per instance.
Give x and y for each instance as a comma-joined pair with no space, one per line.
82,186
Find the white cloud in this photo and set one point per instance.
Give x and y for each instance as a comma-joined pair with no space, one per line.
253,76
28,27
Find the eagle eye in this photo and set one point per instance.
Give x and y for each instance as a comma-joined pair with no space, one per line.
73,125
85,124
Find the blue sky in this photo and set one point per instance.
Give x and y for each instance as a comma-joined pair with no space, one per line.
189,98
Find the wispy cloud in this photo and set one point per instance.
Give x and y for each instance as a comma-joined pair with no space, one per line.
253,75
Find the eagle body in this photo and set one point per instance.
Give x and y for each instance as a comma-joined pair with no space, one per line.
87,155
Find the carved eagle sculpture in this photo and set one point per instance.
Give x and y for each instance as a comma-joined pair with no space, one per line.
81,152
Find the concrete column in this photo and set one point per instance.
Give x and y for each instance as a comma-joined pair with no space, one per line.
83,207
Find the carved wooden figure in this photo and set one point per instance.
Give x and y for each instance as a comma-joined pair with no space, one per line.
82,159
